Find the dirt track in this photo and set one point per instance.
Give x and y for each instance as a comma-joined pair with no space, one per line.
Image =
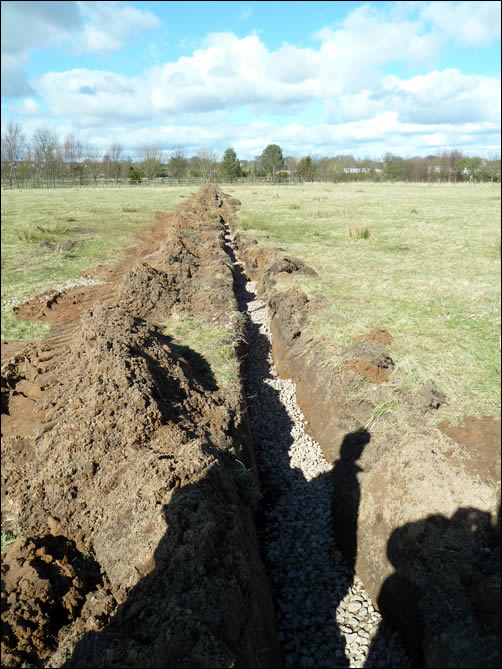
119,470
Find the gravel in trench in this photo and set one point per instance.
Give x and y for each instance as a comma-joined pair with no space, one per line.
324,616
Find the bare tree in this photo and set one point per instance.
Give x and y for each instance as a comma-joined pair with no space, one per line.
178,164
150,160
206,160
92,154
72,155
13,148
45,144
114,154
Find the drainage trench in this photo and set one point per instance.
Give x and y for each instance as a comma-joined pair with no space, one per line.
324,616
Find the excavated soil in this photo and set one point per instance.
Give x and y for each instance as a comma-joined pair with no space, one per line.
122,470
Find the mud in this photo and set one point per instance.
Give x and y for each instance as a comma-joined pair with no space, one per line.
122,470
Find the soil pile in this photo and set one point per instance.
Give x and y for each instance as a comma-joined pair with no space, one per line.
122,471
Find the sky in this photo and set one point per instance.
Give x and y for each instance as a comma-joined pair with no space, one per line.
317,78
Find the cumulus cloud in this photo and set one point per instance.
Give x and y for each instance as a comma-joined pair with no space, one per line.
469,23
113,24
195,100
32,25
27,26
437,97
28,107
94,93
98,27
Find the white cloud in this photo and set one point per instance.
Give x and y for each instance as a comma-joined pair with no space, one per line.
32,25
469,23
96,94
99,27
437,97
113,24
28,107
196,100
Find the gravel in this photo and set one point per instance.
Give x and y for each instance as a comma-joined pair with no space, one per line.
324,616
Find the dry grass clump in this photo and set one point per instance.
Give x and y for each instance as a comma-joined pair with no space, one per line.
359,232
293,205
342,212
41,232
321,213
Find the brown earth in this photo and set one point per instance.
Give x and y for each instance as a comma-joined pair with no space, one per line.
121,470
417,510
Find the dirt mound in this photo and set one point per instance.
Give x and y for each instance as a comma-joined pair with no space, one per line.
370,359
46,581
123,448
266,266
377,334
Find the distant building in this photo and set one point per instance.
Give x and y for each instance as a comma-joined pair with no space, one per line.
356,170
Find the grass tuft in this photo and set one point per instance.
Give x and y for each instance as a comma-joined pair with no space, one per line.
8,538
246,484
359,232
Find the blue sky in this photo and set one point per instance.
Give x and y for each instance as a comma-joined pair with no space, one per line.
318,78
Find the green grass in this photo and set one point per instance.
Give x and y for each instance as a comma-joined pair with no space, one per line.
214,343
102,221
8,538
429,273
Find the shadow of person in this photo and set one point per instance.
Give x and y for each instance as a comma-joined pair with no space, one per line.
444,597
346,492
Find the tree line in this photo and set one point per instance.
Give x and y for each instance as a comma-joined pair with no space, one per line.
46,160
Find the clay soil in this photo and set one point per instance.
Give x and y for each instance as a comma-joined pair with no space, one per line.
119,469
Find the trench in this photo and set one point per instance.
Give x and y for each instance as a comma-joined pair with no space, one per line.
324,616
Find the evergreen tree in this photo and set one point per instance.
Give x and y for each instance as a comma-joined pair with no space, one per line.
134,175
230,165
272,159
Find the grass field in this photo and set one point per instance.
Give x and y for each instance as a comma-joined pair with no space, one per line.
422,261
101,220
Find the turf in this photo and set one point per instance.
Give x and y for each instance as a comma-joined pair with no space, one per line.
427,270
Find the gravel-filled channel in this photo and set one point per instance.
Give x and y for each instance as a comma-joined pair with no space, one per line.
324,616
